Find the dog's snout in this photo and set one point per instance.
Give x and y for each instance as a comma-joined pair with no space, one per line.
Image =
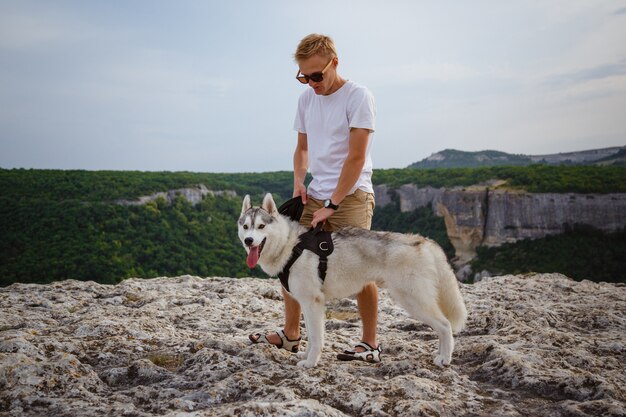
248,241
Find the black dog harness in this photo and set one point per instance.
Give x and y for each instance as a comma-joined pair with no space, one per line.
318,242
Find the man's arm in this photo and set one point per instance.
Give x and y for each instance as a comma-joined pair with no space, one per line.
353,165
350,172
300,166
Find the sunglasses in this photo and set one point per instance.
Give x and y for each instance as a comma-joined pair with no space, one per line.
317,77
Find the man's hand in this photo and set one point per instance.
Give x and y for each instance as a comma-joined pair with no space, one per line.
300,190
321,215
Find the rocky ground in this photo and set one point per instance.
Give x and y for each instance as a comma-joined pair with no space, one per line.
535,345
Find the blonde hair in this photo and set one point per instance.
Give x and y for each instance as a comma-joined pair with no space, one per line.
315,44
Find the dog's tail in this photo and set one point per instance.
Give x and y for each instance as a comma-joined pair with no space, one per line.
450,298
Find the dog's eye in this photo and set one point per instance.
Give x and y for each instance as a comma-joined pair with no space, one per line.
261,226
245,227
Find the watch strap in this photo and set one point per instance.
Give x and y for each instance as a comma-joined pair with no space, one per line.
328,203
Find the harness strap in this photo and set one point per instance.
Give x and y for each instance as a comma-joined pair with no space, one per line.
316,241
284,274
321,268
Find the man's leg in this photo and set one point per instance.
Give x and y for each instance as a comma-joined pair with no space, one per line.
367,301
292,316
357,210
292,320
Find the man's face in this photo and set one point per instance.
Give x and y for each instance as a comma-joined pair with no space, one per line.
317,63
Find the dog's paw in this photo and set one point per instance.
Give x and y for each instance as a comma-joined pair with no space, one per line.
306,364
301,355
442,361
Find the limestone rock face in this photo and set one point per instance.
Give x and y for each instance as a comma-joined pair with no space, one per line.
540,345
192,194
478,215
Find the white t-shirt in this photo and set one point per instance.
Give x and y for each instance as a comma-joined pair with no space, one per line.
326,121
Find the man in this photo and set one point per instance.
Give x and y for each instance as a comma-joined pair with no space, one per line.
335,125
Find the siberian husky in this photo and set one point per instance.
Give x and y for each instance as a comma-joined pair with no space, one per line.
414,269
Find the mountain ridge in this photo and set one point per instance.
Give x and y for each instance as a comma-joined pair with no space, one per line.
454,158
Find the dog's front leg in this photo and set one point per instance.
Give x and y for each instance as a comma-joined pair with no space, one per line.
305,353
313,310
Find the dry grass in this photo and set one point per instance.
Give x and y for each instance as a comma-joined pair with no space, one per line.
171,362
342,315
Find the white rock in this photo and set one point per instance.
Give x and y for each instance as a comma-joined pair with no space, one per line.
540,345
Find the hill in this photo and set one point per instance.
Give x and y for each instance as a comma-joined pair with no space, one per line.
90,225
452,158
534,345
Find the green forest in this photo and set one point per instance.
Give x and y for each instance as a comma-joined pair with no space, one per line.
580,253
57,225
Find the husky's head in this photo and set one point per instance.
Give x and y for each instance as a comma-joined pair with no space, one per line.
253,226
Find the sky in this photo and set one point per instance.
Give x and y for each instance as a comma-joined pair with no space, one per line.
209,86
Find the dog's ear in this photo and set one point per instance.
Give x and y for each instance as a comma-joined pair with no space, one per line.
246,204
269,205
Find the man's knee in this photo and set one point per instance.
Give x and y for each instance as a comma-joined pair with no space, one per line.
368,292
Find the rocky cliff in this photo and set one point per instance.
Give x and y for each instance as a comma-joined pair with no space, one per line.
192,194
536,345
484,215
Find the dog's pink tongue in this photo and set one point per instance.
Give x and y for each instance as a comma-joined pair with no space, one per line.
253,257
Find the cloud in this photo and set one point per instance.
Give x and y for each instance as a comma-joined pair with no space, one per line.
425,72
18,31
620,11
599,72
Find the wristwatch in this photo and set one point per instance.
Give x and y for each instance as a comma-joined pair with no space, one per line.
329,204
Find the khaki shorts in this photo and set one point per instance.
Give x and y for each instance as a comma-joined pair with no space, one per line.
356,209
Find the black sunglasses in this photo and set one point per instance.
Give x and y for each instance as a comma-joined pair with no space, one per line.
316,77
